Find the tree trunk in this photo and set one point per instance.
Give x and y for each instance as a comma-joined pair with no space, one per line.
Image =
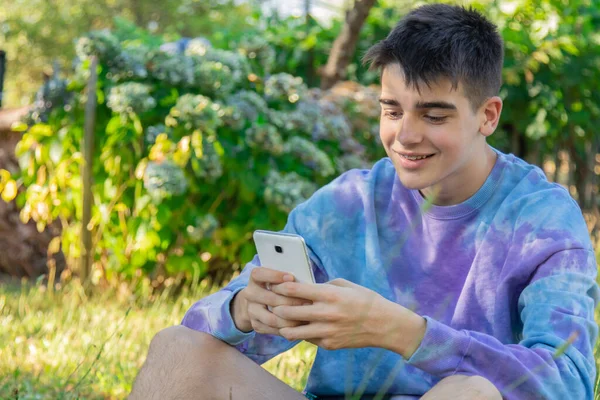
138,13
518,141
584,171
345,44
553,176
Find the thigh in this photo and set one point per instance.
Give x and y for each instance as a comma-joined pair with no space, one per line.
185,364
244,379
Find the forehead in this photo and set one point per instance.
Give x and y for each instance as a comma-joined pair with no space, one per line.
393,86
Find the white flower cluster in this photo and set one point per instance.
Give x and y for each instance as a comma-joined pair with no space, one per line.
306,118
361,105
209,166
237,63
197,47
192,64
172,69
256,47
310,155
248,104
264,137
202,228
213,78
285,88
195,112
163,180
152,133
102,44
287,191
320,119
123,62
51,95
347,162
131,97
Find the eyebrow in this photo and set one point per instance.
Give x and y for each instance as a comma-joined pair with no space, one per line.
421,105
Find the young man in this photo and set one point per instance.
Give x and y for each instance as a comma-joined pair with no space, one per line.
449,270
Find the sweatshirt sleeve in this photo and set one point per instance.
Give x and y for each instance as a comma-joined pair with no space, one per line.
554,359
212,314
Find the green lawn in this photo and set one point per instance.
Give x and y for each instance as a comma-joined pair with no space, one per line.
64,345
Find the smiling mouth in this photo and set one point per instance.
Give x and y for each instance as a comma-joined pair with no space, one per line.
413,158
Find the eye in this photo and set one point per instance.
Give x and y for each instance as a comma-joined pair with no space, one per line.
393,114
436,120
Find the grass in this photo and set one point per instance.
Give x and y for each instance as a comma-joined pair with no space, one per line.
65,345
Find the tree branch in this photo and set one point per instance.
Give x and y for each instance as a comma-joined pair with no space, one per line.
345,44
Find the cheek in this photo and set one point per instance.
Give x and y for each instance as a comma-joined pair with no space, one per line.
449,139
387,132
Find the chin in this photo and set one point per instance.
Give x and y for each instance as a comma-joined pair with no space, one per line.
412,182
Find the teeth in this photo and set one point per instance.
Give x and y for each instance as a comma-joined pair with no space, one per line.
415,157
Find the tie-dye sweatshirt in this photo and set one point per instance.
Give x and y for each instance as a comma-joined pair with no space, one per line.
503,279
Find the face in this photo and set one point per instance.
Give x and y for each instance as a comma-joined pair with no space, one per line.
434,138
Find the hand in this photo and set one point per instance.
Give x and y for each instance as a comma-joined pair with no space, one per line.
249,307
342,314
346,315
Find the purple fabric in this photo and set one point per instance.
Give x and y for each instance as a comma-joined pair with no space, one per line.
503,279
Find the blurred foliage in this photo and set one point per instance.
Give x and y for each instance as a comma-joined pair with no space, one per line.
35,33
180,179
552,65
199,142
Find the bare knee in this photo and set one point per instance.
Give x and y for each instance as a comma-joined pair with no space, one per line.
178,363
463,387
176,338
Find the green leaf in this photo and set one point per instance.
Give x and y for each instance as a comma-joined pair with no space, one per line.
114,125
18,127
41,130
56,152
163,215
138,259
183,263
100,96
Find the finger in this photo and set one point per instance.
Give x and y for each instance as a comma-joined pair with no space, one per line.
308,313
269,298
264,316
259,313
259,327
308,291
305,332
264,275
284,323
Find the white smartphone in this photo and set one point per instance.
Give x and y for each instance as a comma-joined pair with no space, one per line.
284,252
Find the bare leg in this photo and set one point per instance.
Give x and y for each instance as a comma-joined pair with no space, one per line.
462,387
185,364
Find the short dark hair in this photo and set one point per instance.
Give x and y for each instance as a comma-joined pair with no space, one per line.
444,41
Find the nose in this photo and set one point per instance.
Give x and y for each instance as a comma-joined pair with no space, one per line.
408,132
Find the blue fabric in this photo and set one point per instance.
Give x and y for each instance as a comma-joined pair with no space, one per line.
503,279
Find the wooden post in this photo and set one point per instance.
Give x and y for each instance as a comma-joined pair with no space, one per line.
88,149
2,71
310,54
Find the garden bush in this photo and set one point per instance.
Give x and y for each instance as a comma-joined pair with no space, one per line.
195,148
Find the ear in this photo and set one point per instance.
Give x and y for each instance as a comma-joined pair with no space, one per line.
490,115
